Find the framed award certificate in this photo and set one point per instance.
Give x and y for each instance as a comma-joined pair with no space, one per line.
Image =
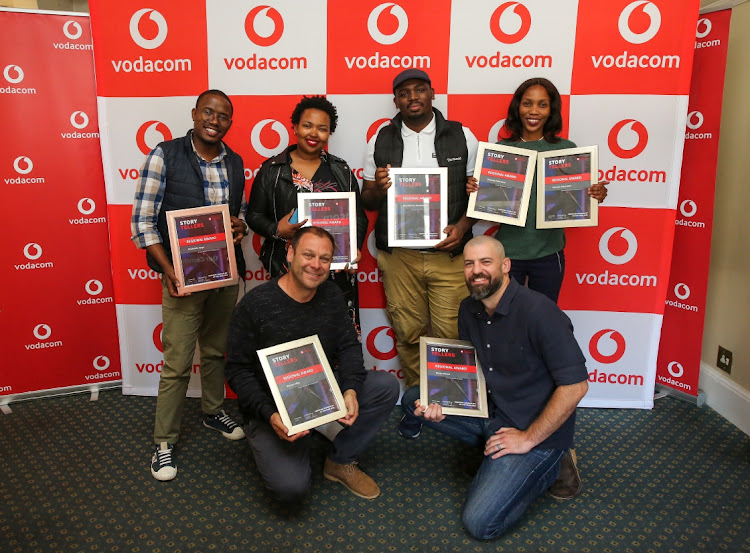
302,384
417,207
564,179
336,212
451,376
202,247
505,176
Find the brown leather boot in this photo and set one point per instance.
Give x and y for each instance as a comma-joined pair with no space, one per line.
350,476
568,484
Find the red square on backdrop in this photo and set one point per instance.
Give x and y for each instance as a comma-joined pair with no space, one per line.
634,47
370,42
141,51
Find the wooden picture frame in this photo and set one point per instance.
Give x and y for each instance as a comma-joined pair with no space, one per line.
302,384
335,212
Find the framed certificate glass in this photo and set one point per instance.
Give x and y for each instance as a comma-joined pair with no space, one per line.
302,384
451,376
505,176
336,212
202,247
417,207
564,179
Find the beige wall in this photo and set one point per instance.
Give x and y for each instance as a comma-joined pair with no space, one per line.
728,304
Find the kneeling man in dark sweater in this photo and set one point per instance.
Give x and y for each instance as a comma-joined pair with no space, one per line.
301,303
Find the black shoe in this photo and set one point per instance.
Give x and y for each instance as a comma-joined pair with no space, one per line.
409,427
223,423
568,484
163,466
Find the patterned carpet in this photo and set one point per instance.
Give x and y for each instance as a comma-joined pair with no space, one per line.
75,478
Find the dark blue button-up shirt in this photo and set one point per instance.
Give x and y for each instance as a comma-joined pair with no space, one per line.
526,349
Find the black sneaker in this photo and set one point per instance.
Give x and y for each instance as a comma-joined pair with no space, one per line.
409,427
224,424
162,463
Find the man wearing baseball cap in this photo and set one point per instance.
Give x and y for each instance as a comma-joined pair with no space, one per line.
423,287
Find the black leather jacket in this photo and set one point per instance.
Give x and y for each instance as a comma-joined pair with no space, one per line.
273,195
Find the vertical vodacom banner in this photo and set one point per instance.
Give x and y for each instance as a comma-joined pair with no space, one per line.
57,310
678,365
622,68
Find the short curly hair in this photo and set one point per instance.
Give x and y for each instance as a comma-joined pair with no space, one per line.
315,102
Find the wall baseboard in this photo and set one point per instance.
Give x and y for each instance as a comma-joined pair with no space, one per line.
726,397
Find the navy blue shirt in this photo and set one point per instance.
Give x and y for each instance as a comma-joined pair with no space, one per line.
526,349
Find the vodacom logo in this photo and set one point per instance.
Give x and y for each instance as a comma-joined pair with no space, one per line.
375,128
510,22
161,32
636,130
76,31
42,331
140,136
682,291
647,8
29,165
157,337
13,69
266,30
32,246
86,210
84,120
706,24
675,369
614,339
258,144
373,23
688,208
373,349
494,134
94,287
101,363
694,120
606,251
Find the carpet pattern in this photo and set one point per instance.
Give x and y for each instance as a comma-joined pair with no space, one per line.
76,478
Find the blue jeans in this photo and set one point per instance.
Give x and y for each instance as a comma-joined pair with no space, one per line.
503,488
545,274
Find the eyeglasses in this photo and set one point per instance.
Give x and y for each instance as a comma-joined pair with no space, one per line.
224,120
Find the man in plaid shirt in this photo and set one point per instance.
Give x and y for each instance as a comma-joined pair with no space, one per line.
192,171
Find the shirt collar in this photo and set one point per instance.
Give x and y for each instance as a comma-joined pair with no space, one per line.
429,129
217,159
503,306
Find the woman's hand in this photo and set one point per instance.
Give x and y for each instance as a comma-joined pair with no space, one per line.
286,230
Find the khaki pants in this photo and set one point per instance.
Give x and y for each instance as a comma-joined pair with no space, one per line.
422,289
201,317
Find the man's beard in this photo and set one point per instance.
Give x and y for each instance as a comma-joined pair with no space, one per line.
485,291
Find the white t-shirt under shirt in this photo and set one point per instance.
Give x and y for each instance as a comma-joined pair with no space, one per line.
419,149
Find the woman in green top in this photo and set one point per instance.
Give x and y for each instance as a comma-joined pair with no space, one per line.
534,122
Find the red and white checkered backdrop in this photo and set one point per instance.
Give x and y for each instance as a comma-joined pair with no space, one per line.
622,66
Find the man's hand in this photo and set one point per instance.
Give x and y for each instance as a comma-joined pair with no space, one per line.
238,229
159,254
286,230
173,286
598,191
507,441
432,412
455,234
373,191
352,408
472,185
282,431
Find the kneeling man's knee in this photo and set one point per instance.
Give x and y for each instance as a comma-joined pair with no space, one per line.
292,490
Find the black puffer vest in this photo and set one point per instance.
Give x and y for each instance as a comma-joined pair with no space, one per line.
184,189
451,151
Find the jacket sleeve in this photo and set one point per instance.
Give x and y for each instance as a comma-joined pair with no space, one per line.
362,221
243,370
260,206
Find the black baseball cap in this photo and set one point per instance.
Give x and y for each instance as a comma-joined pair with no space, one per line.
410,74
